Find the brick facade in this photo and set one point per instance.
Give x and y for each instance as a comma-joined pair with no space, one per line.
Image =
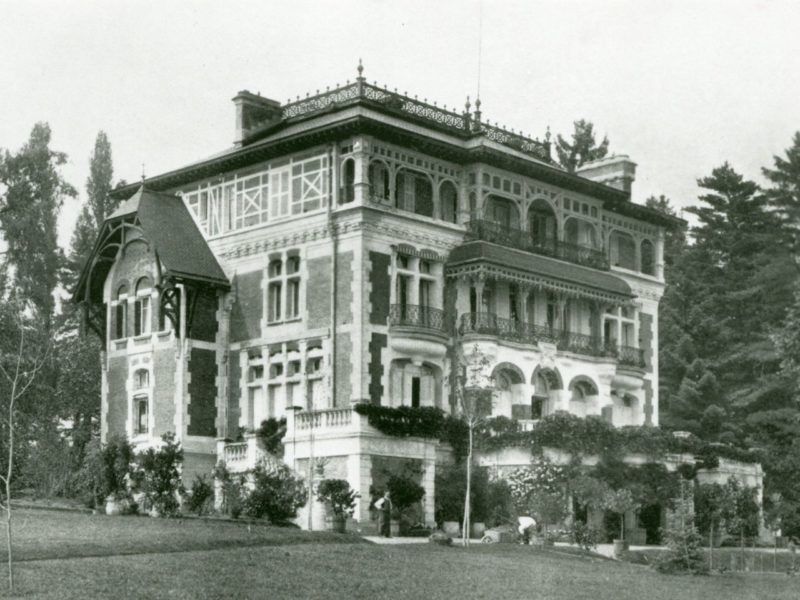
248,306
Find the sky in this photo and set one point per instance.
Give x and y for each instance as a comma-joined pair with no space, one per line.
679,86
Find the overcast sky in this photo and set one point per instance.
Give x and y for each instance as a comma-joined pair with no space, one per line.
681,87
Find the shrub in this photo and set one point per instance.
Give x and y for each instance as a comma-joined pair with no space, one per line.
441,538
158,476
499,504
233,491
404,491
276,494
199,499
271,433
105,471
682,539
451,490
339,495
583,536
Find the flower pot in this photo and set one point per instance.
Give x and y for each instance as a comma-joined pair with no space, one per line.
478,529
452,528
338,523
115,506
620,546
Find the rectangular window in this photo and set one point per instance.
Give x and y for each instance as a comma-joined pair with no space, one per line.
140,415
425,287
293,299
279,191
119,317
141,324
275,292
415,391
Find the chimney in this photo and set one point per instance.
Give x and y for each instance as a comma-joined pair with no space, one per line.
617,171
253,111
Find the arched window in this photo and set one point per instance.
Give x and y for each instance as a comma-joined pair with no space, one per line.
502,211
414,192
648,257
542,224
121,313
414,385
378,174
622,250
348,181
448,200
141,308
580,233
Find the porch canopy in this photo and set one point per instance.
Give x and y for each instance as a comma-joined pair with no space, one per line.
484,260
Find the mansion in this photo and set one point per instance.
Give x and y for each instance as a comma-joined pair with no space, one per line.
344,250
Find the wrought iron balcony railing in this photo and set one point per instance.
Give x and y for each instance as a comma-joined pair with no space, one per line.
489,231
632,357
526,333
413,315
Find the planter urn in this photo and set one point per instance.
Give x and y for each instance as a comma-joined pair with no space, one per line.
478,529
452,528
620,546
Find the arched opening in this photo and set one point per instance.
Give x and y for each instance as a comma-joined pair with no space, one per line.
348,181
580,233
414,385
622,250
542,224
414,192
648,256
448,201
509,397
581,389
379,180
546,382
503,212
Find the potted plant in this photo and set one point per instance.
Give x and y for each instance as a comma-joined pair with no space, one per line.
341,498
405,493
620,502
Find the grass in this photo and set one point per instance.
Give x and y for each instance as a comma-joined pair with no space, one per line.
284,563
733,559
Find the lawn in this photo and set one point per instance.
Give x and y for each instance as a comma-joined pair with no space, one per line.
277,563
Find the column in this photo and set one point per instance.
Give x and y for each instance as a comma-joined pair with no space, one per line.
428,479
359,475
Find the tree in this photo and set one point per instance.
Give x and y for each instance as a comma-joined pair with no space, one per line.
98,206
32,194
20,365
711,506
582,149
784,195
473,395
620,502
682,538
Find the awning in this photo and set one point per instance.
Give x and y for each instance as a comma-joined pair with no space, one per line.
491,261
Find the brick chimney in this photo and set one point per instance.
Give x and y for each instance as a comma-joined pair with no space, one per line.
617,171
253,111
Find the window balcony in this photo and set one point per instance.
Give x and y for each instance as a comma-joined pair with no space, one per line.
526,333
421,317
631,357
489,231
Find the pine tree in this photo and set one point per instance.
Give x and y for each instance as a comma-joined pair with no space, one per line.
784,196
33,193
582,149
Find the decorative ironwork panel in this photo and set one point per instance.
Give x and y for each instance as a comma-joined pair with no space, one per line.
412,315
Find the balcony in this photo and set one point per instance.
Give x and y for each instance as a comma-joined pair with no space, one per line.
417,332
412,315
566,341
489,231
631,357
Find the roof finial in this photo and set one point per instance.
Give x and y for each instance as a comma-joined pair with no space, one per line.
467,106
143,175
360,68
547,135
